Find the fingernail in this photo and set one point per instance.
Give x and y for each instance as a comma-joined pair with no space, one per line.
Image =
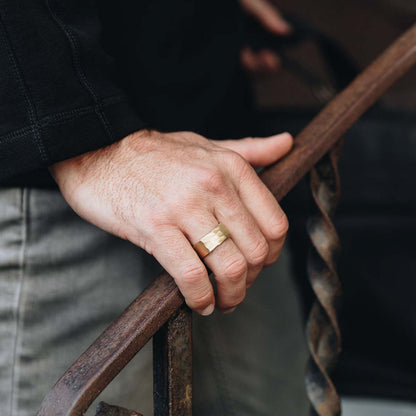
208,311
226,311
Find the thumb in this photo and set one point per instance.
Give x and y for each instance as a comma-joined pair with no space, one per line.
268,15
257,151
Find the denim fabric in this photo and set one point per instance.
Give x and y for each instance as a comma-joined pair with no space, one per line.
62,281
252,362
353,406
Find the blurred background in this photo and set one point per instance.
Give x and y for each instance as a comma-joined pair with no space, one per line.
376,218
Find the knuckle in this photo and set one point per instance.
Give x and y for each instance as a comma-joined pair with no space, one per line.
233,157
153,232
259,253
193,274
235,269
213,181
155,220
279,228
153,224
190,205
236,162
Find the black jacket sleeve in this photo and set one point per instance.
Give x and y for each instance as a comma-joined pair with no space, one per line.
57,96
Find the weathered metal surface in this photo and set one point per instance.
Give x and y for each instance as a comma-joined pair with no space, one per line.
172,364
104,359
324,338
104,409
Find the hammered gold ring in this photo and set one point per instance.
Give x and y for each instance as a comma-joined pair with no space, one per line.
209,242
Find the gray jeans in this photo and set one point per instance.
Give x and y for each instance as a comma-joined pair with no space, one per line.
62,281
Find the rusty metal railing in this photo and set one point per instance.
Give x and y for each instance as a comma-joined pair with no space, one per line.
159,311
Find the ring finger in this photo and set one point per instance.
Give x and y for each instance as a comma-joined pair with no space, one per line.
226,262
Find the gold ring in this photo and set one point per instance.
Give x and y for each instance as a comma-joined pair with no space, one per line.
209,242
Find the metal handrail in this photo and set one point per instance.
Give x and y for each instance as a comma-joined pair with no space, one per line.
110,353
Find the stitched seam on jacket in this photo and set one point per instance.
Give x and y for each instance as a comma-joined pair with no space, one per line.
78,67
15,372
25,90
55,119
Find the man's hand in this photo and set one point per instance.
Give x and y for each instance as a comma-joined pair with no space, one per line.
270,18
163,192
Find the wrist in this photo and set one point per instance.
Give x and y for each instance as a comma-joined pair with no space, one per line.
79,165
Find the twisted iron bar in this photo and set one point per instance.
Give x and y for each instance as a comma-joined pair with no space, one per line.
324,338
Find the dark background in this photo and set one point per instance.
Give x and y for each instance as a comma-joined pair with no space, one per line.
376,218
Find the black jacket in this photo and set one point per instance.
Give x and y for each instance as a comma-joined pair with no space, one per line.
76,75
